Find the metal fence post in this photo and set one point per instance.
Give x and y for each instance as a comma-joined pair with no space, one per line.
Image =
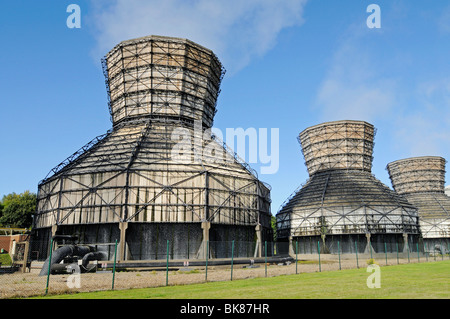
296,257
385,252
434,254
49,265
114,266
207,253
232,256
339,254
167,264
407,245
397,255
265,253
356,250
418,257
318,249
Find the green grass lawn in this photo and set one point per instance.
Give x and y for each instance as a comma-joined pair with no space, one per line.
411,281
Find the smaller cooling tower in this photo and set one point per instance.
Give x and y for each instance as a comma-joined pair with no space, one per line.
421,180
342,201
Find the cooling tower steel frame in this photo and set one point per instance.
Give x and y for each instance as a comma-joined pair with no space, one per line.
422,181
126,185
342,200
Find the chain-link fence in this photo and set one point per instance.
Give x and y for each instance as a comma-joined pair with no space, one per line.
108,266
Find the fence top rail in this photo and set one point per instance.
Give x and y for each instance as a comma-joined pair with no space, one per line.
9,231
89,244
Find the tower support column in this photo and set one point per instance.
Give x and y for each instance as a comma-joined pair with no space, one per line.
369,247
123,232
405,241
205,226
259,243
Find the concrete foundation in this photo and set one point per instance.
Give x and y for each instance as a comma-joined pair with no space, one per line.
352,243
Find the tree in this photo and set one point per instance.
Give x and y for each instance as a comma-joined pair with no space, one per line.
18,210
274,227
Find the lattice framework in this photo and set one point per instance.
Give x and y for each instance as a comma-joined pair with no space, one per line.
342,196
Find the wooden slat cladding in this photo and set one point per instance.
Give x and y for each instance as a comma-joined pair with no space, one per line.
159,76
338,145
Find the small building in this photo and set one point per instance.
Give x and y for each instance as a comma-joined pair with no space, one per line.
10,236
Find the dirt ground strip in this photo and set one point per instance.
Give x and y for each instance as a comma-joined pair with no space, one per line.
31,284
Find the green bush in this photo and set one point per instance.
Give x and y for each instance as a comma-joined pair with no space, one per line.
5,259
371,261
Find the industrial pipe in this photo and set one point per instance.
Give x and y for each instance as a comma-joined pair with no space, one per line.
65,251
95,255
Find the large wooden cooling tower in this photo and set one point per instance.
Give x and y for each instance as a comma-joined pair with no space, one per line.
158,175
342,201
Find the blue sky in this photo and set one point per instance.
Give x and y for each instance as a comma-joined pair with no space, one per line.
290,64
